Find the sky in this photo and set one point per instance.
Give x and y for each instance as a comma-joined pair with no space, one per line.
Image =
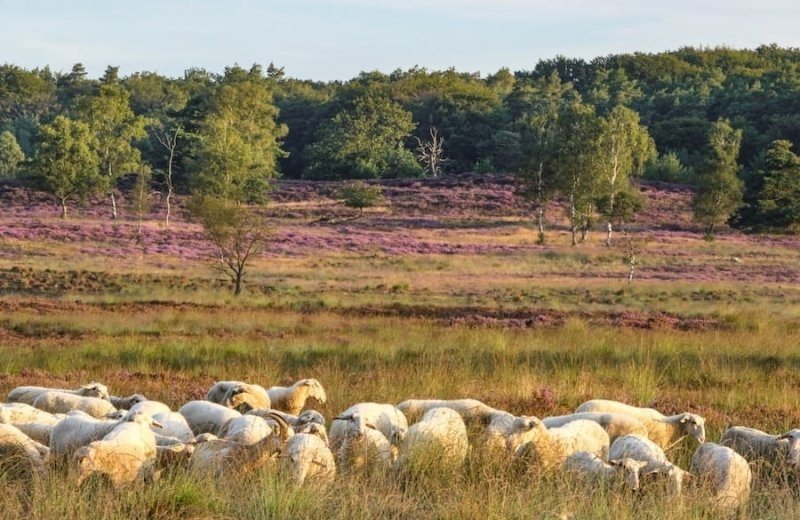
336,39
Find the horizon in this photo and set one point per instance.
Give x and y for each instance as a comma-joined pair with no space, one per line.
335,40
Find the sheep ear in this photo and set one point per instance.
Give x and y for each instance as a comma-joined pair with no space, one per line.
615,462
158,425
684,419
370,425
343,418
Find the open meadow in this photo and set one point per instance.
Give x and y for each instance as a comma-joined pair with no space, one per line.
440,292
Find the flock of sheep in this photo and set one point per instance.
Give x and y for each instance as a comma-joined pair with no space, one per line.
240,427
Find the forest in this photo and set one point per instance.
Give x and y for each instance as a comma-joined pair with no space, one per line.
722,120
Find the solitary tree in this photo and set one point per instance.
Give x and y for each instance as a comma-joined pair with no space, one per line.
431,153
719,189
237,231
779,198
11,155
167,138
66,162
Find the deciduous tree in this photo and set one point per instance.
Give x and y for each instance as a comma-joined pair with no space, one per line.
11,154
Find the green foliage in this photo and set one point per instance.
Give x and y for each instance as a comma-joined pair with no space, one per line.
667,168
719,189
365,141
142,194
67,162
360,195
773,191
11,154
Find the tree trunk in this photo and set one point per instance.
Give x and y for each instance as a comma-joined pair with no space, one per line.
63,208
237,290
572,220
113,206
540,222
169,208
609,229
631,264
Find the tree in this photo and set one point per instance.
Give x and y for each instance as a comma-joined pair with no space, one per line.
115,127
624,148
779,198
67,162
237,231
11,154
167,137
364,142
359,195
431,153
142,195
719,189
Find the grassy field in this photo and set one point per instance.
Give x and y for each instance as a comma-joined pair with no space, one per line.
411,303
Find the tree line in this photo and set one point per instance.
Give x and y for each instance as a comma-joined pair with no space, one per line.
723,120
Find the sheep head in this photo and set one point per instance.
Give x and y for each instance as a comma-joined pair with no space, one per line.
694,425
85,458
630,468
95,389
142,418
792,438
310,417
315,390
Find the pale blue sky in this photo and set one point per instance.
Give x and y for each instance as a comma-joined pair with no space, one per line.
335,39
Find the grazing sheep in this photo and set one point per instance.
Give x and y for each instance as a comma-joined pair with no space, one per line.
21,456
59,402
641,448
173,425
661,429
28,394
235,394
588,467
206,417
755,445
151,407
220,456
126,454
245,429
78,429
125,403
385,418
292,399
726,472
11,413
550,447
471,410
309,458
508,432
39,432
615,424
437,442
359,443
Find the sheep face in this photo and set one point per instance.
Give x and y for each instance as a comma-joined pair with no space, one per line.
142,418
630,469
695,426
310,417
315,390
94,389
673,476
792,437
85,457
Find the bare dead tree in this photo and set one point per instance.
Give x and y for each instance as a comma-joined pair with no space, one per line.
431,153
168,138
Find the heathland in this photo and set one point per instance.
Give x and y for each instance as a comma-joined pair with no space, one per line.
439,291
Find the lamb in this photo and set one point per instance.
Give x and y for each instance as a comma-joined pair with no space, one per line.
359,443
59,402
125,403
641,448
28,394
206,417
221,456
471,410
308,456
615,424
588,467
385,418
663,430
235,394
438,441
550,447
508,432
245,429
21,456
726,472
755,445
125,454
293,399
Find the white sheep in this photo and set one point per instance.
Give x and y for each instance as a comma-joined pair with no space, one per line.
173,425
39,432
11,413
245,429
550,447
78,429
754,445
471,410
507,432
615,424
125,403
359,442
126,454
292,399
206,417
663,430
385,418
28,394
641,448
726,472
235,394
22,454
151,408
60,402
588,467
308,456
438,441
